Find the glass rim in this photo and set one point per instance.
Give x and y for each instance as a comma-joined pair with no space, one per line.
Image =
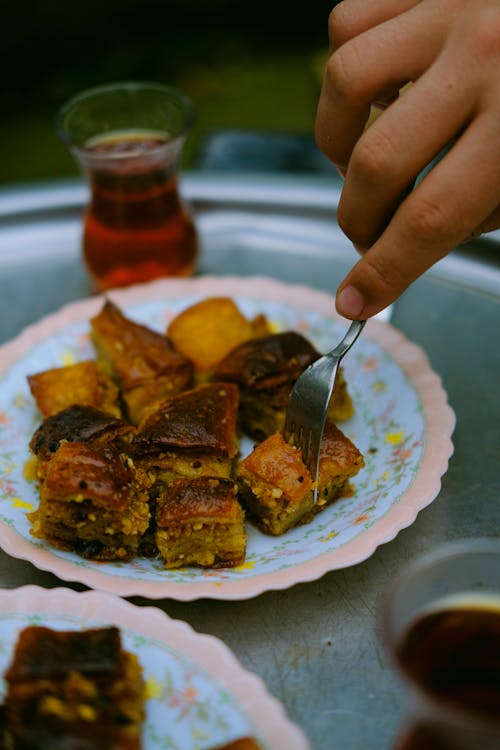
446,551
443,552
182,100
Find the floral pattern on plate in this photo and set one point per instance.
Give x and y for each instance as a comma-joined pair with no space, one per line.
402,425
197,694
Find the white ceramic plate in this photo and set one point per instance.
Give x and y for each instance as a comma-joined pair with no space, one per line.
198,695
402,425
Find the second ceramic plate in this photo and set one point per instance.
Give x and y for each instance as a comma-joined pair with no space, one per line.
198,696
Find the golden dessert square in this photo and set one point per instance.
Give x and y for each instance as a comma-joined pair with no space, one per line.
142,362
82,383
208,330
80,424
73,689
276,488
200,522
274,485
93,501
265,370
191,434
339,462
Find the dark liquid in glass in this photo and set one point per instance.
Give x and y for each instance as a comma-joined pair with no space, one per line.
137,227
454,655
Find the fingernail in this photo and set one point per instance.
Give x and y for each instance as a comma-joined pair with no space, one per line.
350,302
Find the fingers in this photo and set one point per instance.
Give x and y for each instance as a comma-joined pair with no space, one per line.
371,67
398,146
352,17
449,50
428,225
414,129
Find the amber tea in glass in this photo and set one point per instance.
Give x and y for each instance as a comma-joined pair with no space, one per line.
128,138
441,626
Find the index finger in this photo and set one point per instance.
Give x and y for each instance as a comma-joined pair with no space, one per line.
439,214
351,17
378,60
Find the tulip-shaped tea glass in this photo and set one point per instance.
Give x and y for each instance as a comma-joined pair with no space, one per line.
128,138
440,625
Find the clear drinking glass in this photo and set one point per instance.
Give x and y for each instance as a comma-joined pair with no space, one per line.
128,138
440,625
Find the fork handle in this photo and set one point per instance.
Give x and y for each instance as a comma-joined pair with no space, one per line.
327,366
350,337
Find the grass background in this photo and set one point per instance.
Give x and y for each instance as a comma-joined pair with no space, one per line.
249,66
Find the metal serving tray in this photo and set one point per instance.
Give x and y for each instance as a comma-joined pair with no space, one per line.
315,644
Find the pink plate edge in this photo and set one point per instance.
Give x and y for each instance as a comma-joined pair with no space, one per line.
440,422
208,652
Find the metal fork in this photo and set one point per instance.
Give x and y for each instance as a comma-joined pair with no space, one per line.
309,401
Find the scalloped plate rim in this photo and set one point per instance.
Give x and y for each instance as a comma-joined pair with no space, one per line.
440,422
205,651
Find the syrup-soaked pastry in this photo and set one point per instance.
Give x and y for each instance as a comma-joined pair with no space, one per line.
274,485
191,434
82,383
200,522
142,362
340,460
265,369
245,743
93,501
69,690
269,361
276,488
80,424
208,330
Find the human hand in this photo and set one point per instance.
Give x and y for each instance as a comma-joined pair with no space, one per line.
450,50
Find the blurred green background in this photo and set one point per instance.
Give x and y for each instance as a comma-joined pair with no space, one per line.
251,66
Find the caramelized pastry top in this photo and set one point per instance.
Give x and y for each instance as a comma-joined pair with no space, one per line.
267,362
78,471
339,455
77,423
203,419
209,498
43,652
133,353
279,464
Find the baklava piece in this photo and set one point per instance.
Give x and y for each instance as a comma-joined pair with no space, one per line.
142,362
276,488
341,406
73,689
200,522
93,501
83,383
274,485
340,461
80,424
208,330
192,434
265,370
